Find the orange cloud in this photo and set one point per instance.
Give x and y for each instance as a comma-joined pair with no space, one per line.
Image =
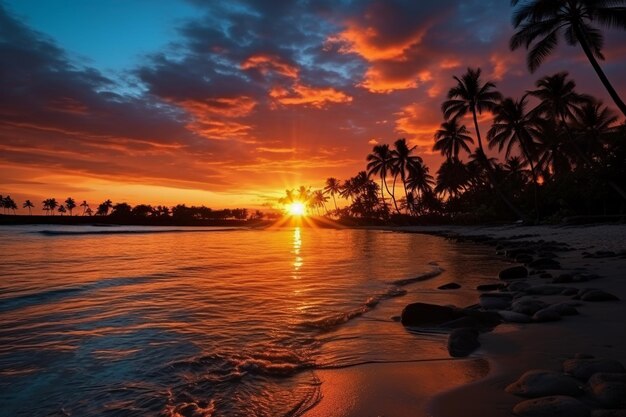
418,124
366,42
223,106
377,80
266,63
220,130
302,94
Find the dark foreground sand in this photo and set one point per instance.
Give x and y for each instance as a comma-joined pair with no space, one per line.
475,386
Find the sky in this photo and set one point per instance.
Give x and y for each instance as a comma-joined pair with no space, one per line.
229,103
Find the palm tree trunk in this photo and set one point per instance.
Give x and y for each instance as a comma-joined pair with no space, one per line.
382,190
596,66
534,175
393,195
490,175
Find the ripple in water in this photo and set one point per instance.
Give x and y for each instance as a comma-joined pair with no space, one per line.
227,323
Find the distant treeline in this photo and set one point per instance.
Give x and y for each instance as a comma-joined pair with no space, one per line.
69,212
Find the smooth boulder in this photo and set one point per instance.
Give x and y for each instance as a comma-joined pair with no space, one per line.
542,383
513,317
609,389
528,306
514,272
552,406
598,295
462,342
546,314
424,314
545,263
583,369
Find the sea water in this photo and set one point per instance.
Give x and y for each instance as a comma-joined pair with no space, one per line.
140,321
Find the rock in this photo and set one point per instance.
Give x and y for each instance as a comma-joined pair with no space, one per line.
495,301
462,342
513,317
485,319
609,389
518,286
608,413
545,263
553,406
569,291
450,286
545,290
598,295
514,272
583,369
565,309
528,306
546,314
515,252
541,383
423,314
524,259
545,275
563,278
490,287
462,322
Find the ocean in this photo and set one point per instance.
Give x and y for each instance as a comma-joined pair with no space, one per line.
140,321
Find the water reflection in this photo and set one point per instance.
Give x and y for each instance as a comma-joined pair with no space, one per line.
297,244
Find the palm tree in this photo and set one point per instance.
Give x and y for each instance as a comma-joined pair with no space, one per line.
380,162
418,181
451,138
592,122
452,178
50,204
402,161
70,204
540,23
88,211
512,125
9,204
29,205
333,187
85,206
470,95
62,210
558,98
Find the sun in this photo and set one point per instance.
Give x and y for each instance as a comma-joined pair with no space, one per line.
296,209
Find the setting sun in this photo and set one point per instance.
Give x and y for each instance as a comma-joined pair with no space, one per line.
296,209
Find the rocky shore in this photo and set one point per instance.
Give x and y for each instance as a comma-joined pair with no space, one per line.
573,287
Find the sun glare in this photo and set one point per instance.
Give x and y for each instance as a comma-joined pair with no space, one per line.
297,209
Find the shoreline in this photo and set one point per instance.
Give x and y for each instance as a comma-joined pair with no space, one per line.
510,349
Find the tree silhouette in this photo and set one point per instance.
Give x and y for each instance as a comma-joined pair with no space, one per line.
50,205
540,23
513,125
402,162
451,138
70,204
29,205
62,210
333,187
380,162
85,206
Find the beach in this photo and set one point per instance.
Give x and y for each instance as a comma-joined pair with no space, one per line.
475,386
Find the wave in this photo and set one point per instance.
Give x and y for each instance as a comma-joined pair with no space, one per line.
336,319
49,296
126,232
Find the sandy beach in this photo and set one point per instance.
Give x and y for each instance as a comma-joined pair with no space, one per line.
475,386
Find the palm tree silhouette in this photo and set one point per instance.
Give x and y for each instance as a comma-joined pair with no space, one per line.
8,204
29,205
333,187
452,178
380,162
593,121
451,138
50,205
512,126
85,206
419,181
540,23
62,210
402,161
70,204
470,95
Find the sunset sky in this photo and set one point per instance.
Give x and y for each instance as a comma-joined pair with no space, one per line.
228,103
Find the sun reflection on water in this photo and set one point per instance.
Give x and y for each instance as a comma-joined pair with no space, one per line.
297,244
